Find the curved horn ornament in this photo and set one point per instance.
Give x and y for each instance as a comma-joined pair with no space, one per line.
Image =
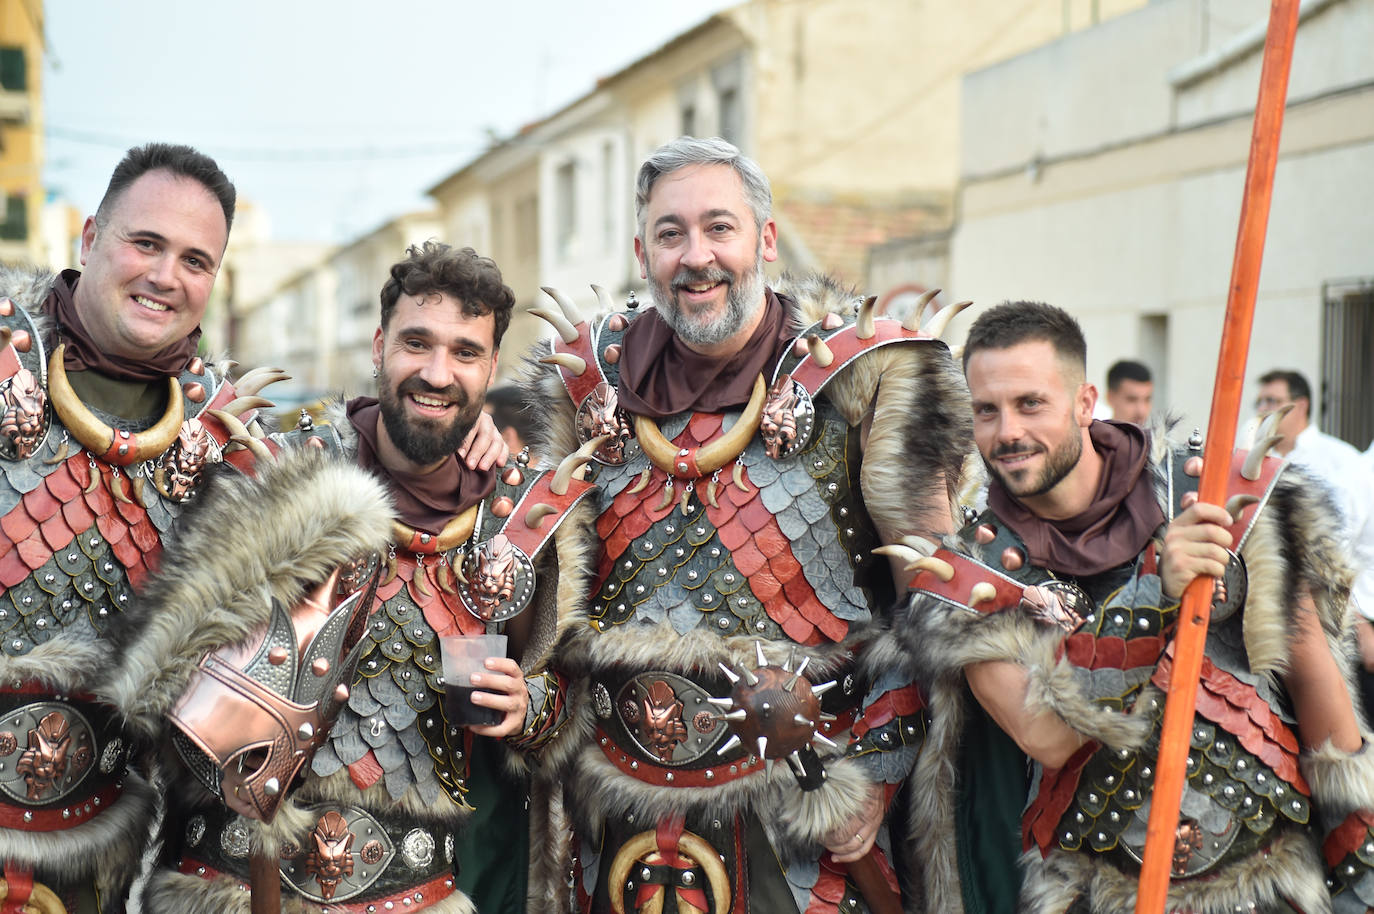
940,322
241,405
565,304
913,318
575,364
1255,459
574,462
99,438
645,843
566,331
603,299
864,327
713,455
255,380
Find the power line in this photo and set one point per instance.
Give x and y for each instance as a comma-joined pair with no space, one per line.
300,155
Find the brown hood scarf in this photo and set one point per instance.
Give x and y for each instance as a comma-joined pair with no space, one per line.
83,353
660,376
428,501
1116,526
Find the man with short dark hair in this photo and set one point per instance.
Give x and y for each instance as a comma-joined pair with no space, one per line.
375,819
107,418
1055,611
1130,391
1351,480
755,444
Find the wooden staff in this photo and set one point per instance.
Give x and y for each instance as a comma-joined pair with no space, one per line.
264,878
1171,766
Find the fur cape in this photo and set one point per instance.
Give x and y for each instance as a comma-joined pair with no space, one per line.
921,429
107,848
1294,546
245,540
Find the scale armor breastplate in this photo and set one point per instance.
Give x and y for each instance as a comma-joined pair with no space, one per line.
777,556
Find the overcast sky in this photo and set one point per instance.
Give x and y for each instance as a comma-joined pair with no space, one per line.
332,116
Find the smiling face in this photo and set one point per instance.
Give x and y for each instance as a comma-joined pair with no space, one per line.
703,256
434,364
1030,418
150,267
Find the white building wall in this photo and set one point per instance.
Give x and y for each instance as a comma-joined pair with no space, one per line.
1135,237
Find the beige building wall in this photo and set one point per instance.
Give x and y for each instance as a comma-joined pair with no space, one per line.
21,132
854,103
1121,202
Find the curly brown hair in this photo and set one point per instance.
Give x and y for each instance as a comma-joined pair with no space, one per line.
460,273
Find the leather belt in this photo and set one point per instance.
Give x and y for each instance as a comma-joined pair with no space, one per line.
351,860
63,758
661,729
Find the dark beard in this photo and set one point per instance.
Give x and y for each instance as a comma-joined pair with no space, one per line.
423,441
1059,463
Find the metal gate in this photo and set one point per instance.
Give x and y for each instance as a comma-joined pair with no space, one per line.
1347,385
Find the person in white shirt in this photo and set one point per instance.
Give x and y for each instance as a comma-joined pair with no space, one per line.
1351,478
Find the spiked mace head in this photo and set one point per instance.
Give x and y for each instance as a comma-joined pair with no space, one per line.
773,709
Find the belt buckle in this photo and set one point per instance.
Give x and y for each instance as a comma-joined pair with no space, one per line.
330,867
56,757
669,718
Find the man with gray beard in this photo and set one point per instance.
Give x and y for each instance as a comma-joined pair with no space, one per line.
755,445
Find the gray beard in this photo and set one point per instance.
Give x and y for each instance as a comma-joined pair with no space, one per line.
742,302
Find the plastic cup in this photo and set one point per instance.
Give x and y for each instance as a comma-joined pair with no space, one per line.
464,655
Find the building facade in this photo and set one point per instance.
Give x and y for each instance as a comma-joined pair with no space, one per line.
1119,199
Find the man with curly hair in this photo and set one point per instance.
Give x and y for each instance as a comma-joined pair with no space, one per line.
374,820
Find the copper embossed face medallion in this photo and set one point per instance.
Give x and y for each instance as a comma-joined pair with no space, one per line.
1228,591
668,718
662,726
1057,603
329,867
56,755
1187,841
331,856
600,414
1206,830
23,415
788,418
500,580
179,469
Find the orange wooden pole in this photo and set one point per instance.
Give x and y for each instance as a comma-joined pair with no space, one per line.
1171,766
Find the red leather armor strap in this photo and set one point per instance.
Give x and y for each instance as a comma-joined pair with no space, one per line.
1237,484
530,540
580,386
846,346
18,888
68,815
967,573
1235,706
1346,838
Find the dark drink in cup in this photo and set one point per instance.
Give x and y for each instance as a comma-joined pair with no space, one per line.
464,655
462,712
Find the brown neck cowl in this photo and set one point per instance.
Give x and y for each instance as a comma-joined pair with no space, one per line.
83,354
1115,528
424,501
660,376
